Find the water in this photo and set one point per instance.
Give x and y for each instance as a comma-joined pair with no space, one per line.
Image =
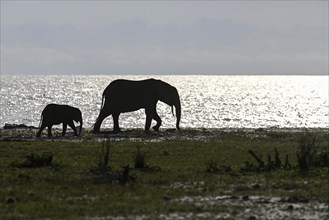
207,101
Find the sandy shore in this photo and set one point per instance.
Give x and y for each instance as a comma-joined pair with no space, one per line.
29,133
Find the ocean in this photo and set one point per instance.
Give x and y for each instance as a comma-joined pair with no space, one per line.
207,101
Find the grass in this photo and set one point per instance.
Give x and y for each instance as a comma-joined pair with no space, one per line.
69,187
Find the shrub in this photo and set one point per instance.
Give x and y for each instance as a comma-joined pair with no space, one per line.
140,163
262,166
139,159
213,166
104,157
34,160
307,151
322,159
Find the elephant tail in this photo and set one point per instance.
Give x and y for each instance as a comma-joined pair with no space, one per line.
41,119
97,124
172,110
103,97
102,105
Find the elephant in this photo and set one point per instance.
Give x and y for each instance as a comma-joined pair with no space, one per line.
126,96
54,114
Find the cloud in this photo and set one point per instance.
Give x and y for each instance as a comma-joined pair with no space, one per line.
200,41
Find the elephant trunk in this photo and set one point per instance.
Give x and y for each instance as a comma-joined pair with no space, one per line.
178,113
80,130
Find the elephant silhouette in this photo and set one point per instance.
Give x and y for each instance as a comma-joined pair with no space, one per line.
125,96
54,114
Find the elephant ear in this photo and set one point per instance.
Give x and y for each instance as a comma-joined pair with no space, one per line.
159,89
165,92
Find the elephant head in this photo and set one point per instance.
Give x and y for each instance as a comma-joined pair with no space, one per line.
77,117
169,95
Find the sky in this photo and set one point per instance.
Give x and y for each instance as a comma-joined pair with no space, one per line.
164,37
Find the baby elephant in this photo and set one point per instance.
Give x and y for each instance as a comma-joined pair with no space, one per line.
54,114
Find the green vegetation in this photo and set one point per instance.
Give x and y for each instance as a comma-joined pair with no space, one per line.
166,175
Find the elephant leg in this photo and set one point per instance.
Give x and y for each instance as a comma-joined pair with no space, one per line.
43,126
99,120
148,119
157,118
116,128
64,129
49,130
71,124
148,122
152,114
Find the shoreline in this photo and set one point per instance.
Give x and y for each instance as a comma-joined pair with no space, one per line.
28,133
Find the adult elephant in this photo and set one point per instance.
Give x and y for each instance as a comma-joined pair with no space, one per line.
54,114
125,96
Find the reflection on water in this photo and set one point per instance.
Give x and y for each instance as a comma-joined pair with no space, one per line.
207,101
